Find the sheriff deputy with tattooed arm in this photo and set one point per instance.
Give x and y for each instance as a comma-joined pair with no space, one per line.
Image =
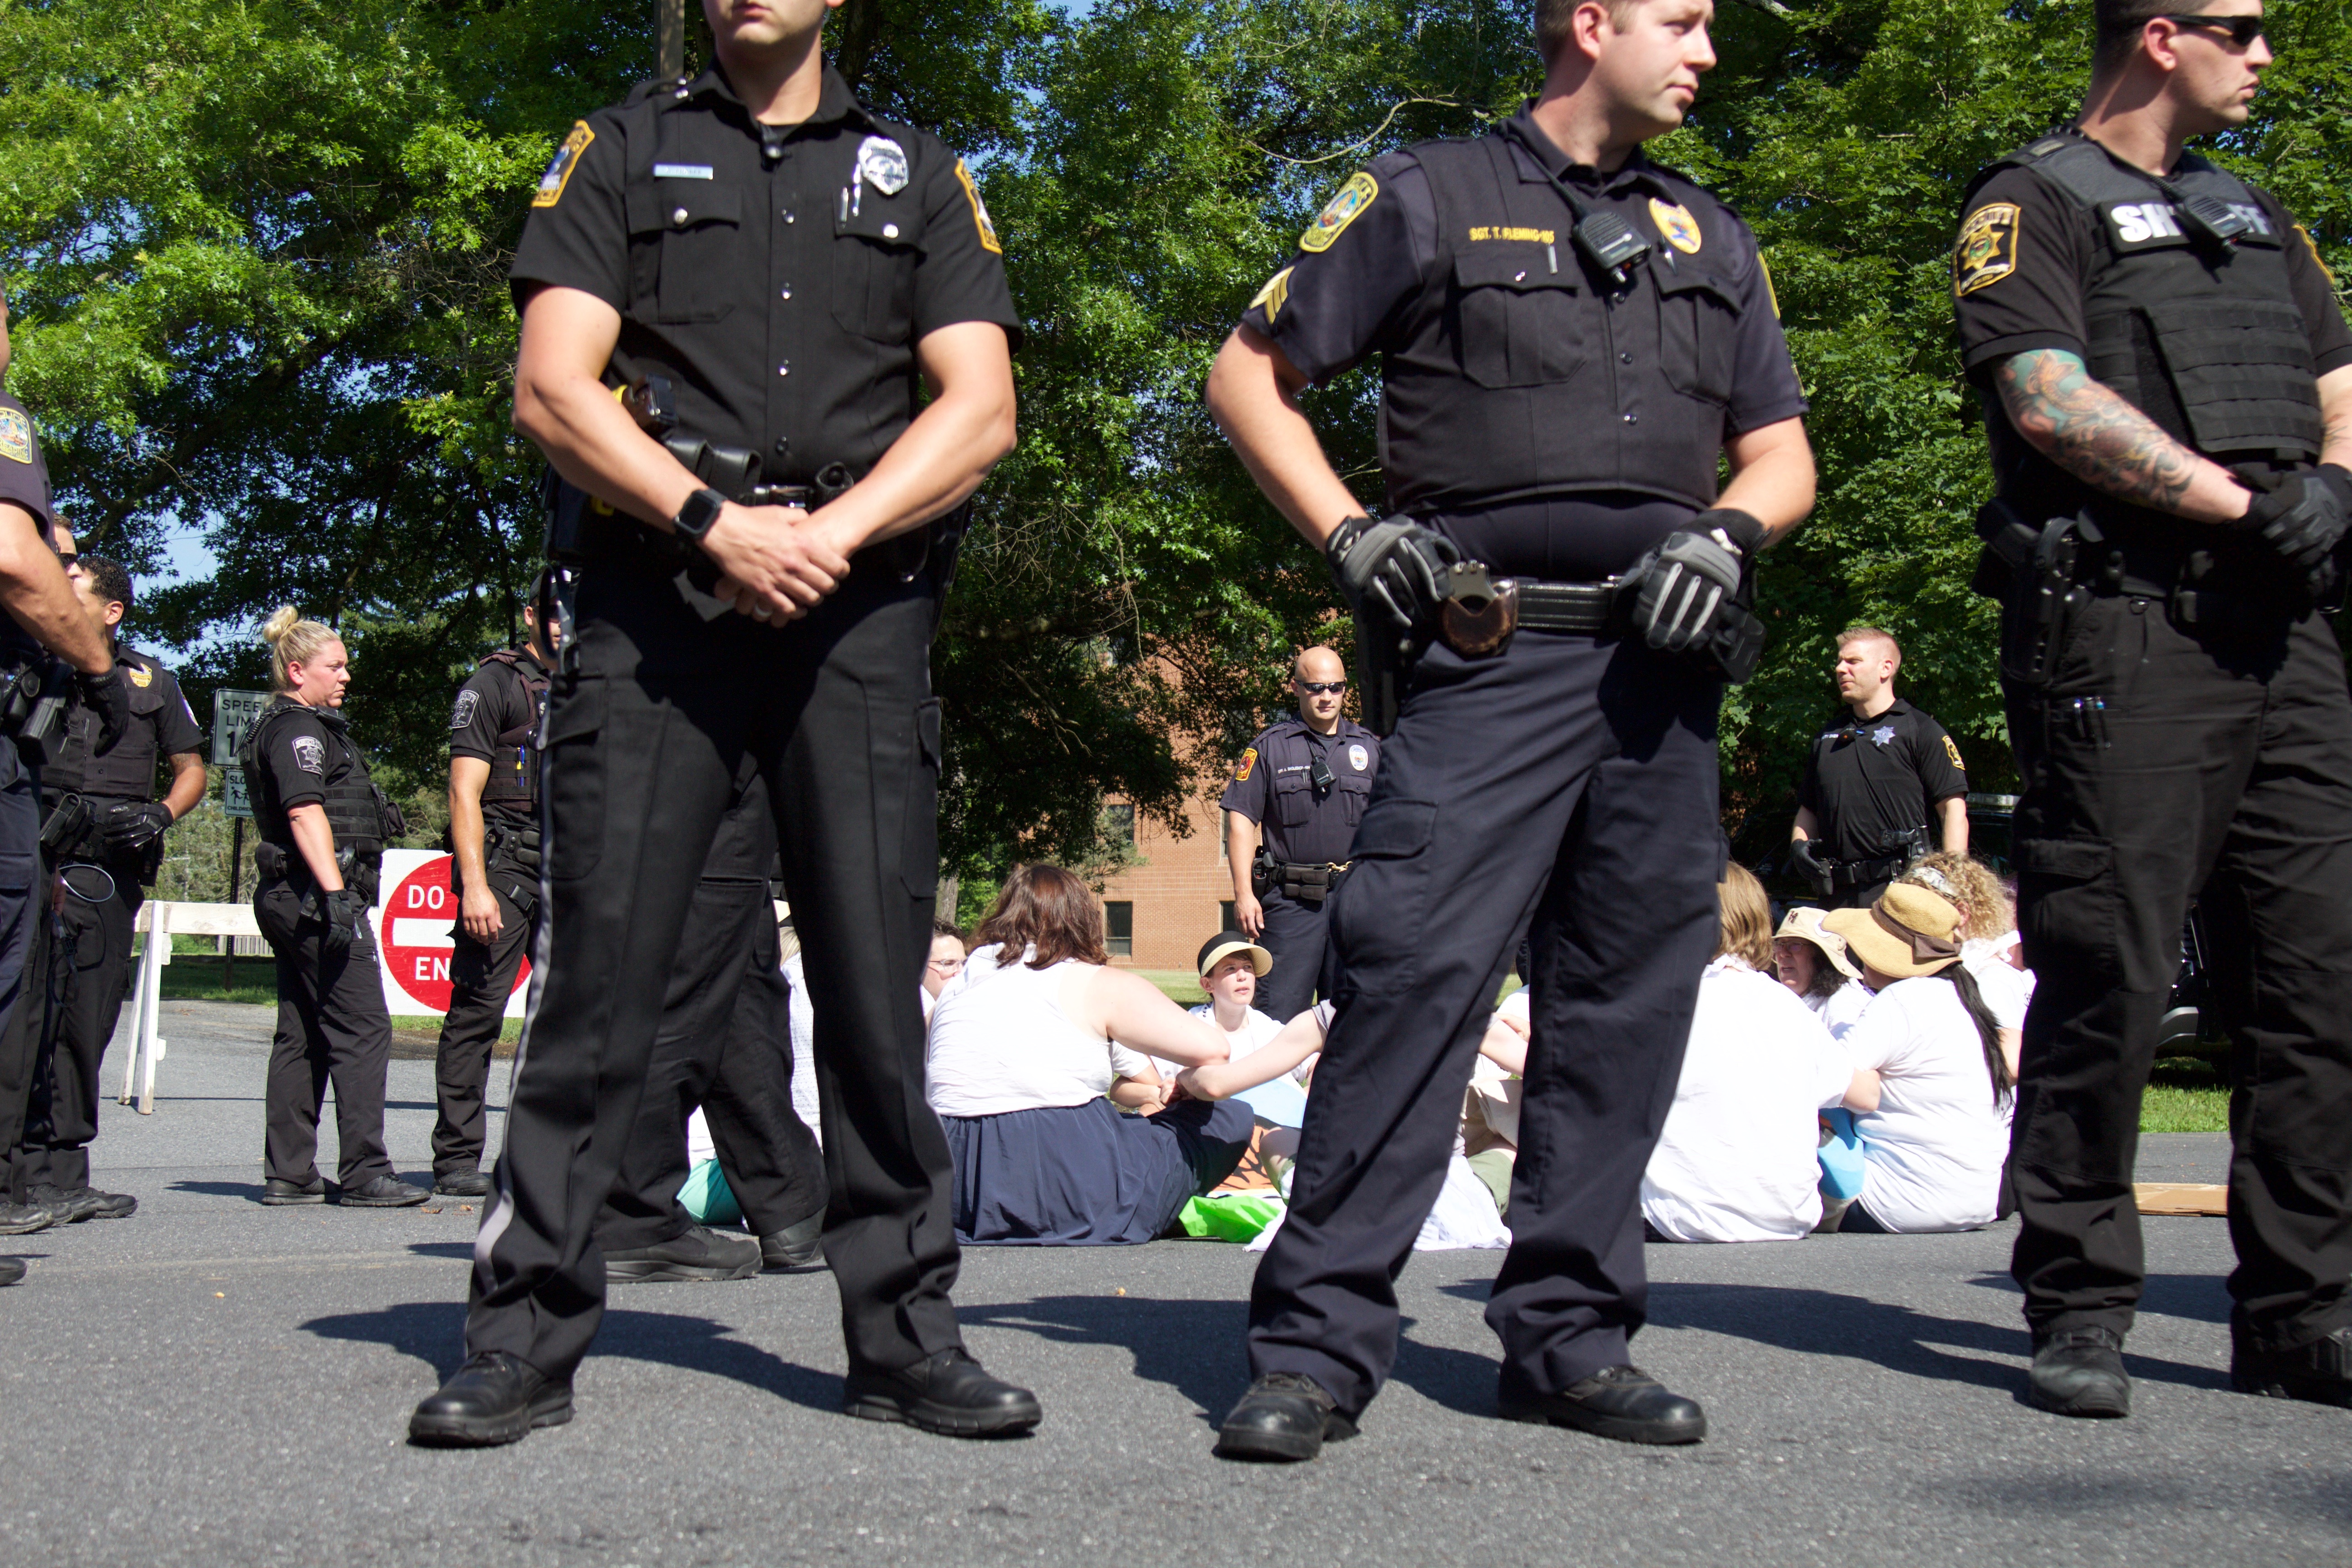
494,846
2168,388
1571,337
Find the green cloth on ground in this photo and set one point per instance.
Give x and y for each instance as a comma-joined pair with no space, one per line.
1230,1216
1493,1166
707,1197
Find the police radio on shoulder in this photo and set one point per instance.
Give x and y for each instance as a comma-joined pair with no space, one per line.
694,519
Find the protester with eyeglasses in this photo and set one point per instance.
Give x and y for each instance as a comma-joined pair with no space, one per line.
1290,815
949,945
2166,379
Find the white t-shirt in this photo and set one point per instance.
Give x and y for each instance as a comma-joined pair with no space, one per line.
801,1014
1839,1010
999,1042
2007,990
1736,1161
1936,1143
1258,1030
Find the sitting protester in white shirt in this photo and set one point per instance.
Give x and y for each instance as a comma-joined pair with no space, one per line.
1736,1161
1932,1087
1814,963
1988,930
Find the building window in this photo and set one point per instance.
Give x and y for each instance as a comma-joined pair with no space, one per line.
1119,927
1118,824
1225,915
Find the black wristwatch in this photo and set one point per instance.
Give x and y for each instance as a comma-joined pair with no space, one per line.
694,518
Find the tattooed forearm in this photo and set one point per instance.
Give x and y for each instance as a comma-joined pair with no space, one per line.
2093,435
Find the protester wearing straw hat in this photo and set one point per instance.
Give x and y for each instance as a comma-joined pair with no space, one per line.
1813,964
1932,1085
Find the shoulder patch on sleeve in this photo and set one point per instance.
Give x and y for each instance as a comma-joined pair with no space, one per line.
1340,211
1274,295
979,211
1771,295
467,700
559,173
15,436
2313,246
1986,251
309,754
1241,769
1953,751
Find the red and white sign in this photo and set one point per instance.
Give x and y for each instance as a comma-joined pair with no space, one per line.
414,943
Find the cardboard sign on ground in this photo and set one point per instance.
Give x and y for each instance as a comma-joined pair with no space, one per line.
2182,1198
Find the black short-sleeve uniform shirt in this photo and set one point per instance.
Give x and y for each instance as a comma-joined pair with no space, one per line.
161,725
493,701
1866,779
779,275
25,482
299,759
1275,785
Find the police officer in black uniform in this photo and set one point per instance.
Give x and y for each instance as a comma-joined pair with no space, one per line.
772,275
48,650
103,829
323,824
1296,797
1878,774
1571,337
494,872
2168,388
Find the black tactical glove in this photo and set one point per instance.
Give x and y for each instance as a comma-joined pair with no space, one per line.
129,826
346,912
1394,567
2304,517
1684,589
103,695
1805,860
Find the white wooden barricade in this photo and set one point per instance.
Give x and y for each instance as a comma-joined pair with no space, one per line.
161,921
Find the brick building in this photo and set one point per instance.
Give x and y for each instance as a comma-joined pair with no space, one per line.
1159,911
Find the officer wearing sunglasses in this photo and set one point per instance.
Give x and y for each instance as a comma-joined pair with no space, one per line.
2168,388
1290,814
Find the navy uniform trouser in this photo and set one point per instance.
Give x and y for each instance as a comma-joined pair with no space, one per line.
726,1046
1570,781
84,977
332,1026
2220,768
23,886
1296,933
481,980
646,729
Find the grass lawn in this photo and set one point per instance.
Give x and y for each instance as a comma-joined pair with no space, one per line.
2186,1094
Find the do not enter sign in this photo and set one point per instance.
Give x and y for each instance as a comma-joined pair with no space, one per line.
418,913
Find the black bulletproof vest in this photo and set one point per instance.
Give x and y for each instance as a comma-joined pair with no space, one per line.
513,782
127,772
1522,363
350,800
2202,336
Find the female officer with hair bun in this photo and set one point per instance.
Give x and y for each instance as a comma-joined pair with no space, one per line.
323,824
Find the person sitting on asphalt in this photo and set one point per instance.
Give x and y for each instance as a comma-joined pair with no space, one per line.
1230,965
1029,1046
949,946
1933,1082
1736,1161
1814,963
1988,935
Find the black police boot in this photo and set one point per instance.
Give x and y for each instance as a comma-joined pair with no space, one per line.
278,1193
11,1271
492,1399
2320,1372
461,1185
947,1394
2080,1372
1285,1416
24,1219
700,1254
383,1192
1623,1402
795,1248
67,1206
112,1205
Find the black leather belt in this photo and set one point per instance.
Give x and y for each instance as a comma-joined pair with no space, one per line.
1584,608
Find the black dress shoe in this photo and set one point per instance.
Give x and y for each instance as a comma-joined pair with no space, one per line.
701,1254
2080,1372
24,1219
794,1248
947,1394
492,1399
2320,1372
278,1193
383,1192
462,1185
113,1205
1623,1402
1285,1416
67,1206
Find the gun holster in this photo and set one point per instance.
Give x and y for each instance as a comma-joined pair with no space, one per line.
2030,570
68,827
1263,874
33,710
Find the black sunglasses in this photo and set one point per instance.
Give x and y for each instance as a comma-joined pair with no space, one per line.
1320,687
68,559
2242,31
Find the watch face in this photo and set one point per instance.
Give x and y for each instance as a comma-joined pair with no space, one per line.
701,510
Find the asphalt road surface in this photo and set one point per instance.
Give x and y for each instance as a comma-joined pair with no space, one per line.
212,1382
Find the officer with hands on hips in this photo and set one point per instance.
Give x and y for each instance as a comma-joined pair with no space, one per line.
1296,797
494,864
2167,380
1570,338
104,830
770,276
43,628
1876,777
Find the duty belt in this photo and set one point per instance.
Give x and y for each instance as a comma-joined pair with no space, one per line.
1480,612
1585,608
1311,884
1848,875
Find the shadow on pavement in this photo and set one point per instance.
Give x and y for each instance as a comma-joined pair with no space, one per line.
434,1332
250,1191
2198,1297
1194,1347
453,1249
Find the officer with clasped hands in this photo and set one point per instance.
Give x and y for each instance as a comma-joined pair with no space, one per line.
1570,337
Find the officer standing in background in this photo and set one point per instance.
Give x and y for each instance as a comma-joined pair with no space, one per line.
494,870
1571,337
774,277
44,626
1877,774
1292,809
2168,389
103,828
